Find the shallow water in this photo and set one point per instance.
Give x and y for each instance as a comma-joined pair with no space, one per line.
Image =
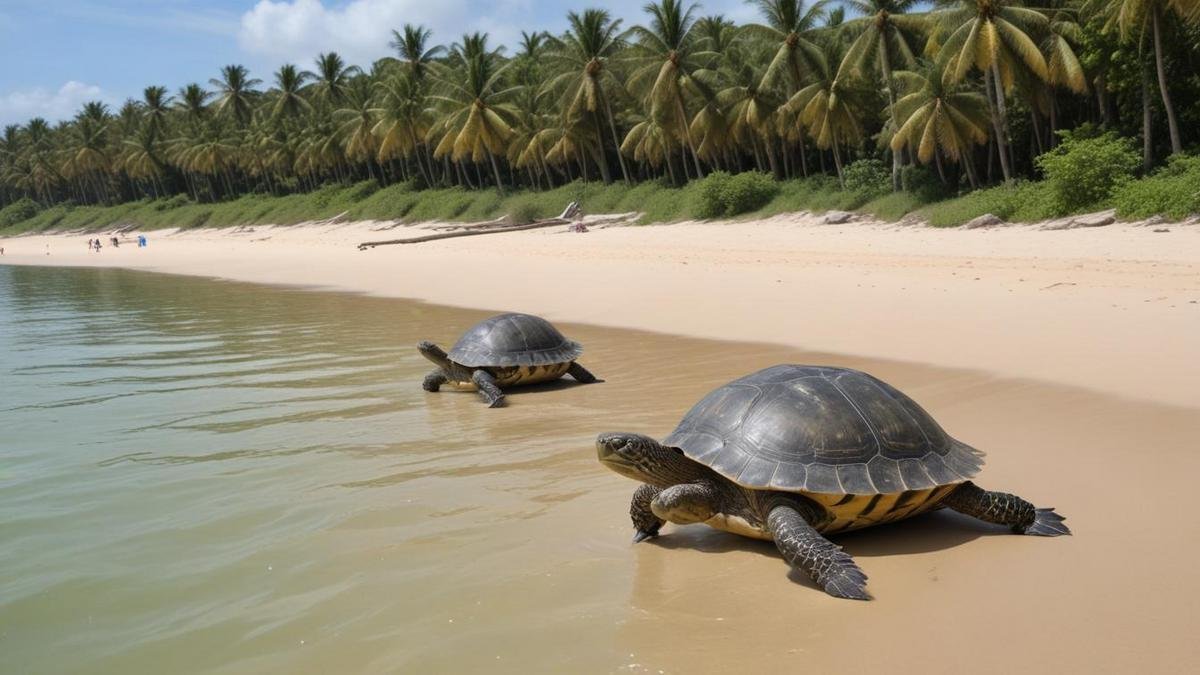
201,476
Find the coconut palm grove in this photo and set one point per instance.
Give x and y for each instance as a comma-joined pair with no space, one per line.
1000,106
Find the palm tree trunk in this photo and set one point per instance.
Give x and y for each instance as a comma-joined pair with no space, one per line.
496,172
1172,123
1147,120
837,162
601,157
885,64
999,118
617,143
687,132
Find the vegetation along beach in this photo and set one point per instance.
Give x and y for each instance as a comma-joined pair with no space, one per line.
221,299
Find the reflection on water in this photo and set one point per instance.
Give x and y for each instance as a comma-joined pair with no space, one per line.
208,476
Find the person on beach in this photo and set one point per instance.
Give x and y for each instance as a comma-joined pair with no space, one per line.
96,245
91,245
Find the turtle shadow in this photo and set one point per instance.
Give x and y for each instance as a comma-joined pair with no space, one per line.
926,533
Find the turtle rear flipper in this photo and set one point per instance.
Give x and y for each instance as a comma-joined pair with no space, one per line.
1047,523
1003,508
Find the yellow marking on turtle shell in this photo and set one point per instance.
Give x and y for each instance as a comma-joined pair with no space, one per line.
518,375
866,510
507,377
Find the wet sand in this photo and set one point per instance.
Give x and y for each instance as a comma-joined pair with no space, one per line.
502,544
1116,308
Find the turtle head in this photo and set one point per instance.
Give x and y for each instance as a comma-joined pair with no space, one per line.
643,459
432,352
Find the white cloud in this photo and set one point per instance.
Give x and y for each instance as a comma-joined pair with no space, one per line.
18,107
359,30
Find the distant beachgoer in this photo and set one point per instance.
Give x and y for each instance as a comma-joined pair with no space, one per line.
141,241
97,246
91,245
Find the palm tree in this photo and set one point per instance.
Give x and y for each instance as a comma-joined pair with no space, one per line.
666,51
1134,15
414,51
790,26
358,123
584,53
157,106
884,39
236,93
475,126
992,35
829,107
331,78
289,97
939,119
193,102
402,120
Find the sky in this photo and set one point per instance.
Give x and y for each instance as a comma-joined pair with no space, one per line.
62,53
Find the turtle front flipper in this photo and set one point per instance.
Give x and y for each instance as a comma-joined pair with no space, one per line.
488,388
434,381
645,524
581,374
1002,508
685,504
805,549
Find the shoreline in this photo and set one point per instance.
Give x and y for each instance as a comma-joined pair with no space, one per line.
1114,309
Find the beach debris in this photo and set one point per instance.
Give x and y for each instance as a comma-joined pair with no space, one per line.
986,220
838,217
1098,219
1161,229
571,212
578,226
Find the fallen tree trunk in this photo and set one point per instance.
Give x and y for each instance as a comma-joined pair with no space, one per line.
464,233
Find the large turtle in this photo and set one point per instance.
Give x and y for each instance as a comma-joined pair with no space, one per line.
793,453
505,350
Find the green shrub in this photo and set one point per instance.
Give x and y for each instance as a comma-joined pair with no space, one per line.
721,194
1018,202
1173,191
170,203
524,211
867,176
22,209
924,183
1082,173
749,191
710,195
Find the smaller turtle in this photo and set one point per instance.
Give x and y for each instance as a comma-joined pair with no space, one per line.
503,351
792,453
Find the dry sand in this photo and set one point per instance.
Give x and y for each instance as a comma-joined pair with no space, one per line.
1115,309
1072,360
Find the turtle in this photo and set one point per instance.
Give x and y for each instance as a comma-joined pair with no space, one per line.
502,351
794,453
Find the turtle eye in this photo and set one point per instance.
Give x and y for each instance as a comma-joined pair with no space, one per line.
678,450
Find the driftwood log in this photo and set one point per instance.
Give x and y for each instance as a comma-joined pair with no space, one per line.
464,233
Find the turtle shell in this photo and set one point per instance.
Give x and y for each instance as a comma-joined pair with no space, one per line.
825,430
513,340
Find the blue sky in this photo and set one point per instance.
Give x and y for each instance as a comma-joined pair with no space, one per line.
64,52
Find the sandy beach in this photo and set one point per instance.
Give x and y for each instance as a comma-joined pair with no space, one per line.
1068,356
1115,309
